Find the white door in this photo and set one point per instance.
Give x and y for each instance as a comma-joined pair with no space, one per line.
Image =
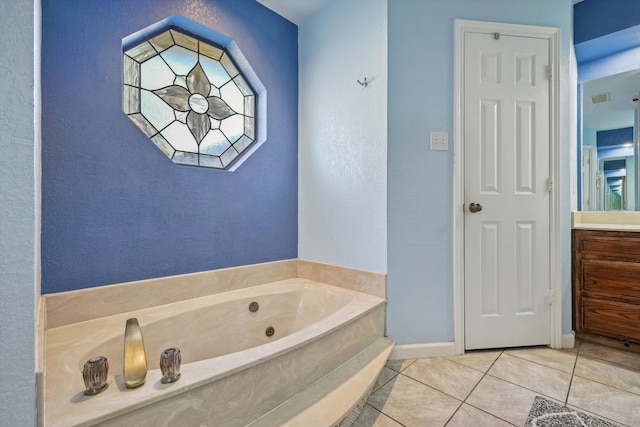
507,170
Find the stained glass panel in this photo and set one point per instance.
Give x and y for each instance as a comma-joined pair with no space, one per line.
182,158
210,162
185,41
232,96
228,156
233,127
210,51
131,99
249,127
180,60
180,137
163,145
195,105
215,72
131,72
214,144
141,52
228,65
242,143
155,110
143,124
156,74
162,42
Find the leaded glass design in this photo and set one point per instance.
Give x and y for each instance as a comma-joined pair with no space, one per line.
190,99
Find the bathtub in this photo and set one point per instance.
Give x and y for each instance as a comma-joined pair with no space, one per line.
233,373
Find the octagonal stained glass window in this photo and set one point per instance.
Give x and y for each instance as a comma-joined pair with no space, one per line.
190,98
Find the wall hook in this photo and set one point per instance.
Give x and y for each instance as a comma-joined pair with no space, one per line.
363,84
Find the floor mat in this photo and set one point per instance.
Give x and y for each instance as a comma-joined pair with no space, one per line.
547,413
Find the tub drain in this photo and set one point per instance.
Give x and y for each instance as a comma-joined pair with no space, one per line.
270,331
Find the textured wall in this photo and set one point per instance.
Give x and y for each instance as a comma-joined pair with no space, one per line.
117,209
343,136
18,205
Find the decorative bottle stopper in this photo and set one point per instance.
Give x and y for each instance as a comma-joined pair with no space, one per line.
170,360
95,375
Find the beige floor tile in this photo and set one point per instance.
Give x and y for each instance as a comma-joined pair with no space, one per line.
541,379
599,399
621,357
561,360
452,378
478,360
370,417
506,401
413,404
469,416
609,374
400,364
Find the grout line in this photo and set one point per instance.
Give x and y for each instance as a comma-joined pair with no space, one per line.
484,374
454,414
538,363
605,362
385,414
573,373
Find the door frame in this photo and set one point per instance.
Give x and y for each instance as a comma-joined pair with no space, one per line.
552,34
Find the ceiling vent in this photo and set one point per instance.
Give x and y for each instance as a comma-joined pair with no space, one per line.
601,97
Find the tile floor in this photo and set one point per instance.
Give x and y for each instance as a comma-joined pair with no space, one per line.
497,388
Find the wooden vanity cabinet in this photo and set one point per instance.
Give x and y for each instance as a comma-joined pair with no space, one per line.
606,284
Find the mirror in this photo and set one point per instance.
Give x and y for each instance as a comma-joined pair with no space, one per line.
610,142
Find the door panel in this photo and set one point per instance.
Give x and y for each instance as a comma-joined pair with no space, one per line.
507,164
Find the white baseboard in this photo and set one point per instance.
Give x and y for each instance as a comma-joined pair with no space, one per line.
568,340
442,349
412,351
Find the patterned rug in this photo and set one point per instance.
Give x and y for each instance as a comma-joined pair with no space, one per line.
546,413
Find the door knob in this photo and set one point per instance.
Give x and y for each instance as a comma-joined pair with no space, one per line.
475,207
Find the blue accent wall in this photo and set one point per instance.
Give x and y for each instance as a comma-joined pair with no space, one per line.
597,18
605,27
614,137
114,207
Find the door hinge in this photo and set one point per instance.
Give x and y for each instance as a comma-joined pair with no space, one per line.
549,72
549,185
549,300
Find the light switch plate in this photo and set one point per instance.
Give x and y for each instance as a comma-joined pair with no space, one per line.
439,141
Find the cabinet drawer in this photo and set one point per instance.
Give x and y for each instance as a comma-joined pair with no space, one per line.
616,278
610,318
610,246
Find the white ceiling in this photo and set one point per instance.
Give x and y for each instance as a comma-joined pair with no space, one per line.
296,11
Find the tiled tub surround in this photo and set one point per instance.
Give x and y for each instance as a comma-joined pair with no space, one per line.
232,373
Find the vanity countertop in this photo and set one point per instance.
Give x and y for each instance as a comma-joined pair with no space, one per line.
609,220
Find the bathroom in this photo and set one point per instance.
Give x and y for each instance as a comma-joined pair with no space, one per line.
345,176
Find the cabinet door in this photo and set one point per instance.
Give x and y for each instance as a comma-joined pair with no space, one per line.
606,283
